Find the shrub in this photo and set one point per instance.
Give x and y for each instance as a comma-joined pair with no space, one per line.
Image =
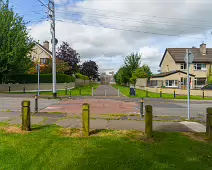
44,78
80,76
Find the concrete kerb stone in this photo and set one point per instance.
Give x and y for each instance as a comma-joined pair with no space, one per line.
197,127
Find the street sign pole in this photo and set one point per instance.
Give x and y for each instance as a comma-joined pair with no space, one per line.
189,57
188,83
38,68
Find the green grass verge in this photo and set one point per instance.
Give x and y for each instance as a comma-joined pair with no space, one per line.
142,94
85,91
50,148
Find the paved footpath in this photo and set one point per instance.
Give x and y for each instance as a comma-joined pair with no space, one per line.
74,121
106,90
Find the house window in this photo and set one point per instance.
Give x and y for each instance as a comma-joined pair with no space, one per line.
44,61
199,82
200,67
171,83
183,66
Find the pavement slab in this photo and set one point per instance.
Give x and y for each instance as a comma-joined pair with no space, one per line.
34,120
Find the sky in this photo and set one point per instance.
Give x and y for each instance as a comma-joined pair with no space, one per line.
106,31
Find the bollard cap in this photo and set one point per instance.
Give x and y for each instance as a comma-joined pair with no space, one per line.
148,108
26,103
36,96
85,106
209,110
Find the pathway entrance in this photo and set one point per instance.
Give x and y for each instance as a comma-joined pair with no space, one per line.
106,90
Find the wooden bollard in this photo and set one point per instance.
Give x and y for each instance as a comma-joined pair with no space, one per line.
26,115
85,119
148,121
209,124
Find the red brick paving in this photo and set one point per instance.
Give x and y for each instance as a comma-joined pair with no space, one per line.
98,106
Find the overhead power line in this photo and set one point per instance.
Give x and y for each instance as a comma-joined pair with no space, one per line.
137,14
122,29
134,20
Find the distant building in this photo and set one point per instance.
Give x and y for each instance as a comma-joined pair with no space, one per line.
107,79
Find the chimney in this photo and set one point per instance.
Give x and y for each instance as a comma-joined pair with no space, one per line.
203,50
46,45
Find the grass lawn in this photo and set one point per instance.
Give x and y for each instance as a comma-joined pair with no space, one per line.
52,148
85,91
142,94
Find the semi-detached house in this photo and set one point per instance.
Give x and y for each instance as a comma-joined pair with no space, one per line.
174,69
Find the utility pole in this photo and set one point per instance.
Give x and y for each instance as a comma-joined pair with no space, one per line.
52,17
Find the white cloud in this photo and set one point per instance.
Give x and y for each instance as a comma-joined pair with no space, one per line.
145,19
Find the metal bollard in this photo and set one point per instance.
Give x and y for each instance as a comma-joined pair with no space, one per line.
118,93
86,119
142,107
146,92
203,94
66,90
24,89
160,92
174,93
105,92
26,115
9,89
36,103
92,91
69,93
148,121
209,124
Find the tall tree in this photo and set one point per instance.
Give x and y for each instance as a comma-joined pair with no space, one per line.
90,69
132,62
69,55
15,43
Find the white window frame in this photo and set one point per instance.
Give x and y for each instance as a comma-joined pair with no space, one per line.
202,69
175,83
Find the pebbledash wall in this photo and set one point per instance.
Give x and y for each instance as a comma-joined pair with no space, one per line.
140,84
43,86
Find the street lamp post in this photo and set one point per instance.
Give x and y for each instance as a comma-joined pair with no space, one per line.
189,57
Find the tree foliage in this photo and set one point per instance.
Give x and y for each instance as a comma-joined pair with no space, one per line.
132,70
90,69
15,43
62,67
69,55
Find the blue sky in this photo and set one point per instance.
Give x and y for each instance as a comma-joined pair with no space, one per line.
109,46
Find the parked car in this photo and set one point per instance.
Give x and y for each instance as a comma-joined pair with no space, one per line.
207,87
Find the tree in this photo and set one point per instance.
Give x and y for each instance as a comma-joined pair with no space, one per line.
69,55
142,72
15,43
121,77
132,62
62,67
90,69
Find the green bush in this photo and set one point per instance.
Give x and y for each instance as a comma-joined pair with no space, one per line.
44,78
80,76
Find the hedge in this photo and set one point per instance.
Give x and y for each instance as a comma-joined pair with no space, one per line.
80,76
44,78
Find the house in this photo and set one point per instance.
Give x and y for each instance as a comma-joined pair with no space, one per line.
41,53
174,69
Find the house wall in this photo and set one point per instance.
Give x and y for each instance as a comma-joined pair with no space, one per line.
38,53
168,60
169,64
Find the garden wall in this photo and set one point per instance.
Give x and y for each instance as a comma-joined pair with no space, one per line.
194,92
